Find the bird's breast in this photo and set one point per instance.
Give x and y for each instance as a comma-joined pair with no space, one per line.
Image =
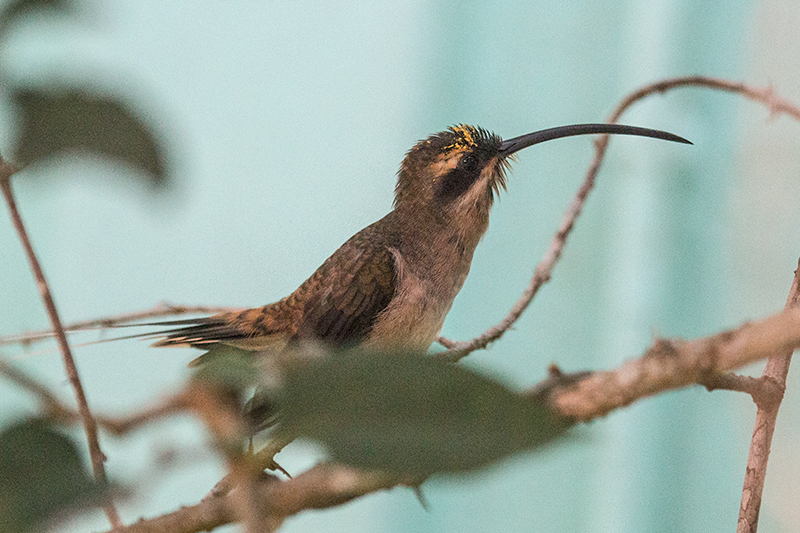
423,297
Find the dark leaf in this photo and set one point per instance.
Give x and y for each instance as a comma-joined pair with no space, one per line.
17,8
58,122
41,475
411,414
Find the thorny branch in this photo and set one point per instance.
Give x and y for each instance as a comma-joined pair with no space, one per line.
89,423
668,364
458,349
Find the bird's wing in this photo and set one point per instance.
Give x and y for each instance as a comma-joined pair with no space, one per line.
358,286
337,304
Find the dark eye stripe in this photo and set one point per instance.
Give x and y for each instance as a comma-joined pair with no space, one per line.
458,181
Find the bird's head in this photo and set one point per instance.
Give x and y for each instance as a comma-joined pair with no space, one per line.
448,170
453,175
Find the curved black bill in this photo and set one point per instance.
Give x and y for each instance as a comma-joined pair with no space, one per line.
529,139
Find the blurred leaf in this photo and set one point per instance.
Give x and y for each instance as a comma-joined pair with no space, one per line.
41,474
56,122
228,367
17,8
411,414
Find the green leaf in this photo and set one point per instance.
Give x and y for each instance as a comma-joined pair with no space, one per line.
15,9
41,474
61,121
228,367
410,414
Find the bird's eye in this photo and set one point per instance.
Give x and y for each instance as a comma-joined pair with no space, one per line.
460,179
469,162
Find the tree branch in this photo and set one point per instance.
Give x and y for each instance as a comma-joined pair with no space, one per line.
774,379
671,364
220,410
458,349
89,424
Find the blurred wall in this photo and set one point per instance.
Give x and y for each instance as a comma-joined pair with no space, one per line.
286,123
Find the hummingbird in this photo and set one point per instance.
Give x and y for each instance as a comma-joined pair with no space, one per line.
391,285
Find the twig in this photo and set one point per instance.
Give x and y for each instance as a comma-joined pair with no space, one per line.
219,408
668,364
52,406
458,349
774,377
320,487
89,424
56,410
119,426
764,95
769,393
161,310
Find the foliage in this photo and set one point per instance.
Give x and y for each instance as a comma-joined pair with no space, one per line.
59,119
41,475
412,414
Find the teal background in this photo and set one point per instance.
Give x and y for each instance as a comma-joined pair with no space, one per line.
286,123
